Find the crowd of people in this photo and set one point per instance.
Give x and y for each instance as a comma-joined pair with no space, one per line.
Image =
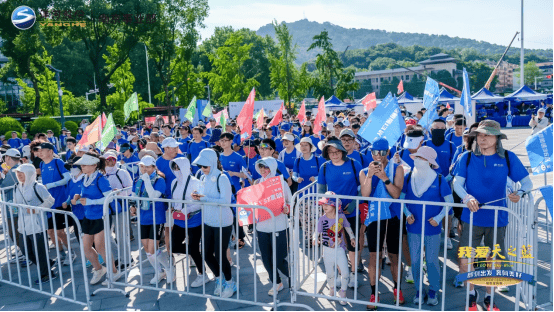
451,162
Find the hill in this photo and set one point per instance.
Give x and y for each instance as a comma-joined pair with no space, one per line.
304,30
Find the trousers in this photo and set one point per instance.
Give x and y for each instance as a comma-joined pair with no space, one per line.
432,249
329,257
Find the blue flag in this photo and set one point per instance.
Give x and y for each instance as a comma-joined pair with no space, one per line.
539,150
182,112
385,122
430,115
431,94
200,105
546,192
465,99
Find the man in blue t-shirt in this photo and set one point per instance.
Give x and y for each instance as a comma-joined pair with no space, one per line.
347,138
129,160
231,161
15,142
456,136
481,178
445,149
55,178
63,138
24,139
195,146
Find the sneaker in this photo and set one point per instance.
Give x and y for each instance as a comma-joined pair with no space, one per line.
371,307
45,279
353,283
473,301
360,267
69,259
432,299
88,264
400,297
158,278
116,277
417,300
219,284
487,303
200,280
457,284
449,243
503,288
409,276
123,266
342,294
25,263
97,276
230,289
279,288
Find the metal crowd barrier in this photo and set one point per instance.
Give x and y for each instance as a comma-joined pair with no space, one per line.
548,228
307,257
180,266
66,286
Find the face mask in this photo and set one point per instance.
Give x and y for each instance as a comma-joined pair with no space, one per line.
437,136
421,164
75,172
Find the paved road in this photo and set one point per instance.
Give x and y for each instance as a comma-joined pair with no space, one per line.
15,298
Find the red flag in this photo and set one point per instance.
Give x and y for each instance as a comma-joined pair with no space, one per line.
400,87
278,117
369,101
260,120
302,113
244,119
320,117
447,105
92,133
104,120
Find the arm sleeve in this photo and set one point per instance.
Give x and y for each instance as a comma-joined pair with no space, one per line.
321,182
459,188
46,196
526,184
224,194
295,171
448,198
157,191
286,192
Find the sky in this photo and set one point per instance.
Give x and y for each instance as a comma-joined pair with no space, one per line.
494,21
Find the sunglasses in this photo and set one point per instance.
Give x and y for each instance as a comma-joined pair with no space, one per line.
263,166
381,153
203,167
265,145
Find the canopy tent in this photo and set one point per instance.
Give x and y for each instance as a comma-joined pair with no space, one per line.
525,94
447,97
333,100
485,96
412,104
334,104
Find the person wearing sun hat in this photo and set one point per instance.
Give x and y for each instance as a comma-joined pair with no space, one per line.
481,177
306,167
424,184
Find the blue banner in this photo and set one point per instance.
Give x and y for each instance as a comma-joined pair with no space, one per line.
430,115
385,122
539,150
465,98
495,273
546,192
182,112
200,105
431,94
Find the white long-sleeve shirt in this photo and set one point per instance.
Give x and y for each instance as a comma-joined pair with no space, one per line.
537,124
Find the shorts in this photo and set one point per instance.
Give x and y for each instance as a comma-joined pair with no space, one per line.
92,227
59,218
389,229
153,232
352,222
457,210
487,233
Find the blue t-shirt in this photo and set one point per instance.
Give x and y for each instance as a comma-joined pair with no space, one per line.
15,143
78,137
457,141
445,152
95,190
306,169
488,183
26,141
394,207
289,159
53,172
234,163
68,155
362,159
147,215
163,166
432,194
251,163
73,189
122,141
283,170
62,141
184,144
343,180
278,144
193,150
236,141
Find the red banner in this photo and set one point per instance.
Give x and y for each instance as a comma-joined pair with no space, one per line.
369,101
267,194
151,120
92,133
320,117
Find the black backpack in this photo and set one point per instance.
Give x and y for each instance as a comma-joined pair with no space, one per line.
298,162
505,156
353,169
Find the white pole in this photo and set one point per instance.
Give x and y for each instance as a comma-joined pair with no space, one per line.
148,76
521,60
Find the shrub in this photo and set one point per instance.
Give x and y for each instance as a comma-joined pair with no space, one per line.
8,124
42,124
72,126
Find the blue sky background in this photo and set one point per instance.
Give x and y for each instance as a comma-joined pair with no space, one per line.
494,21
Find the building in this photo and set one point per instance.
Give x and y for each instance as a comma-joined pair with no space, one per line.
546,81
435,63
505,74
10,91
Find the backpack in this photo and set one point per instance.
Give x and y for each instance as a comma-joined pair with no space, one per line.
233,191
505,157
117,176
189,155
36,193
353,169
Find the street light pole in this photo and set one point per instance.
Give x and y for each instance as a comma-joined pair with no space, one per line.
521,52
60,92
148,76
208,86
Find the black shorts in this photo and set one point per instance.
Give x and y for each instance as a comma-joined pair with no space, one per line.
457,210
59,218
151,231
389,228
352,222
92,227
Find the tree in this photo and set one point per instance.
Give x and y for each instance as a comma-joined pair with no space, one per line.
532,71
445,77
479,73
227,77
365,88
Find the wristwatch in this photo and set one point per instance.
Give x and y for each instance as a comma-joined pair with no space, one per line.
387,182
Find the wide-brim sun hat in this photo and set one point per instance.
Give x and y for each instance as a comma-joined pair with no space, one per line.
428,154
332,143
87,160
306,140
489,127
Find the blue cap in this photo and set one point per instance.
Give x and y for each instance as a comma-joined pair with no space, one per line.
380,144
285,127
216,134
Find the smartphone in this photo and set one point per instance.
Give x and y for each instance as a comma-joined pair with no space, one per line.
377,163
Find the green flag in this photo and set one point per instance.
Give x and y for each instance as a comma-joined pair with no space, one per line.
131,105
222,120
108,133
207,110
191,110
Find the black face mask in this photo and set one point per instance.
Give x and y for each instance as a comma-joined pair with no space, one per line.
437,136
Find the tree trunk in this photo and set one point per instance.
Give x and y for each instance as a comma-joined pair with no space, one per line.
34,80
167,101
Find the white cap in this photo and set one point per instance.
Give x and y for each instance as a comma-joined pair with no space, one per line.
87,160
147,161
288,137
308,123
12,152
541,110
110,154
412,142
170,142
83,149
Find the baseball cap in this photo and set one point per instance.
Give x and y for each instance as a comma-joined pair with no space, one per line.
380,144
109,155
413,138
170,142
347,132
12,152
288,137
47,145
285,127
147,161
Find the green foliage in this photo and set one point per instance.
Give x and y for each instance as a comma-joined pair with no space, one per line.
118,117
479,73
8,134
8,124
531,71
365,88
80,106
3,107
43,124
72,126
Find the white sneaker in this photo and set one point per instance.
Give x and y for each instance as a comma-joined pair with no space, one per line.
69,259
97,276
170,277
279,288
220,283
503,288
449,243
409,276
229,289
200,280
157,278
116,277
353,283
